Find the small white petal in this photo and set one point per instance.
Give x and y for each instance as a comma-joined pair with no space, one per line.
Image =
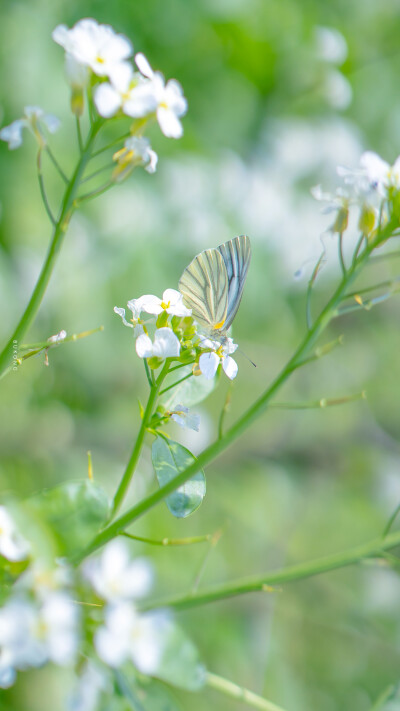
230,367
143,65
151,304
144,346
121,312
152,164
12,134
51,122
166,344
107,100
169,123
208,364
141,101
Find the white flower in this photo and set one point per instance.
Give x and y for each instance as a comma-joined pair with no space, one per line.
44,578
137,151
90,684
31,635
12,545
171,302
165,345
115,577
185,418
93,45
330,44
219,353
136,322
374,173
128,91
338,203
130,635
34,120
170,101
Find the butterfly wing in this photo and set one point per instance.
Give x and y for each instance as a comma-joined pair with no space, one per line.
204,287
236,255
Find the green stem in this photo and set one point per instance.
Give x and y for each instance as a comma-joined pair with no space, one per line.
56,164
43,189
60,228
386,695
253,412
341,257
189,375
293,573
315,404
79,134
95,193
170,541
130,467
239,692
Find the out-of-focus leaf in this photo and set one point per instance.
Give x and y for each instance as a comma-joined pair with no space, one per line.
180,664
190,392
74,512
143,693
170,458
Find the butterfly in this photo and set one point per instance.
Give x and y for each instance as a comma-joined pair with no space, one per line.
212,284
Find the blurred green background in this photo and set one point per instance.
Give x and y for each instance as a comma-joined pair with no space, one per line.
275,103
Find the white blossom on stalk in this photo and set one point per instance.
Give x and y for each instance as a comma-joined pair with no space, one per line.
12,545
165,345
338,203
114,576
136,322
78,76
171,302
43,578
127,90
218,353
129,635
137,151
170,101
34,120
96,46
185,418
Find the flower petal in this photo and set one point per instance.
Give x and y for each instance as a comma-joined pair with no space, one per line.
144,346
166,344
107,100
208,364
230,367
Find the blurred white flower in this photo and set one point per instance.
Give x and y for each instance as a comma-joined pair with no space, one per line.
136,322
128,91
337,90
170,101
330,44
12,545
31,635
219,353
34,120
165,345
137,151
96,46
130,635
381,174
171,302
43,579
88,688
114,576
58,337
78,76
185,418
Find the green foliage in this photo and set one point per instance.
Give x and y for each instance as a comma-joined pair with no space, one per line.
180,664
73,512
170,458
190,392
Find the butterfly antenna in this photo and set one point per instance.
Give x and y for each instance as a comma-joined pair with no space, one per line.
239,350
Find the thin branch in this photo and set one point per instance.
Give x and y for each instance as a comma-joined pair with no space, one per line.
318,404
43,189
169,541
94,193
239,692
56,164
341,257
79,134
189,375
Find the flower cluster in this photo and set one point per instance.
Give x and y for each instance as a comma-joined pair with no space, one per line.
99,60
176,336
41,621
373,187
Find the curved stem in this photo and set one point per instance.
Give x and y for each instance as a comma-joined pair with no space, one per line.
254,411
239,692
134,458
291,574
60,228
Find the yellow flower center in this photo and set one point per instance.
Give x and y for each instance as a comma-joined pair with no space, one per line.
99,60
165,305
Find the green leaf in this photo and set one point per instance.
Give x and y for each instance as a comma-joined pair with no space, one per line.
143,693
74,512
190,392
180,664
170,458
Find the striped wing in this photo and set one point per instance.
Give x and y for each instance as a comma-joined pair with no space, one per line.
236,255
204,287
